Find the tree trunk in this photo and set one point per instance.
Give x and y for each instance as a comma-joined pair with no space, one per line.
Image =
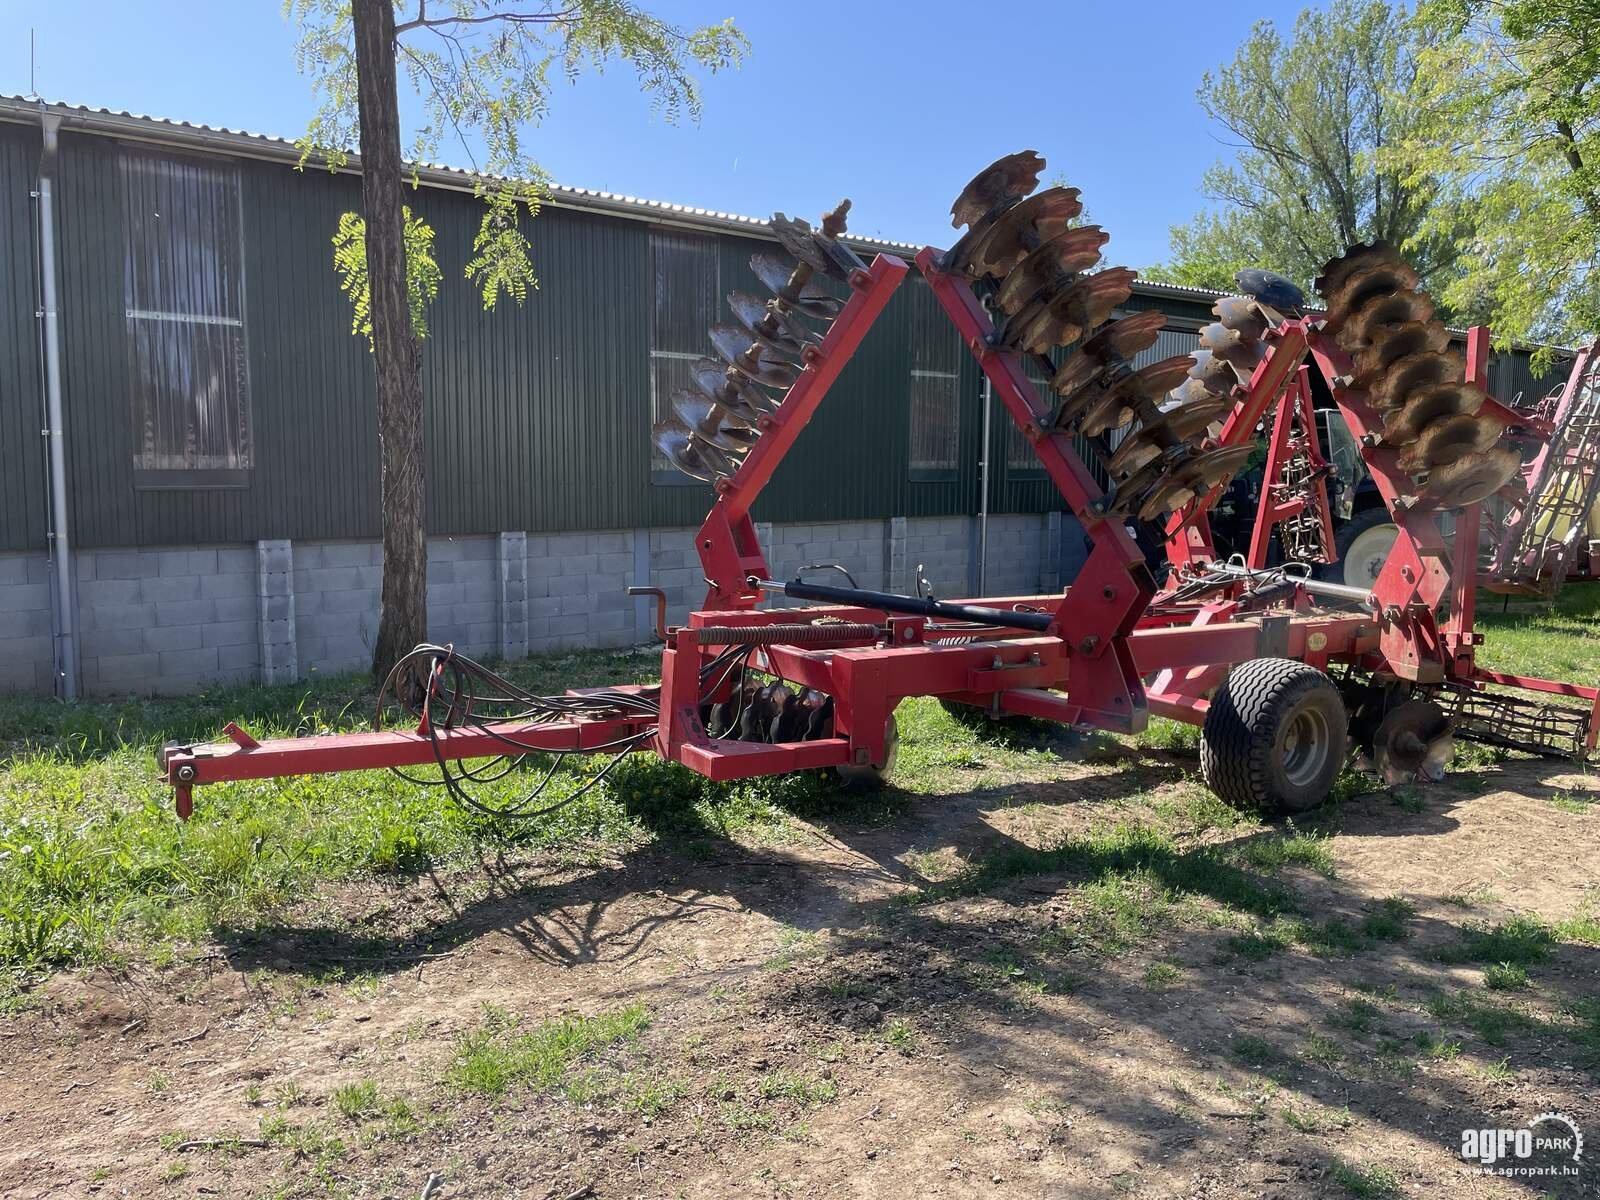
404,619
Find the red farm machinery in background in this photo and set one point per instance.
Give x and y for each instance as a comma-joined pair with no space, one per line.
1282,671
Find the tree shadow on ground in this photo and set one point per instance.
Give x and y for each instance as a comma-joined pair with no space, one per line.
1024,965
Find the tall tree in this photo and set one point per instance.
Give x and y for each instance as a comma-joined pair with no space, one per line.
1308,118
483,70
1511,100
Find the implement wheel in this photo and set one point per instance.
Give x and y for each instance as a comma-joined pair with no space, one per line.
1274,736
869,778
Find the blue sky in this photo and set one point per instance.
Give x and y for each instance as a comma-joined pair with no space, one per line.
893,104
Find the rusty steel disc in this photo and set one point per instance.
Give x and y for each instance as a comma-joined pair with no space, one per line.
1363,287
1232,347
1216,466
1114,343
1470,479
1426,405
1180,424
774,329
809,300
1072,252
1060,318
712,423
797,237
1193,391
1243,315
1121,403
1216,373
1167,496
754,361
998,243
999,185
1193,478
1397,308
688,453
1396,343
733,391
1423,369
1132,491
1090,394
1450,438
1358,257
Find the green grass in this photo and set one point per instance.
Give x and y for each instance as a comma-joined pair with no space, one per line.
495,1057
1386,920
1365,1181
1554,640
1505,977
94,864
1520,941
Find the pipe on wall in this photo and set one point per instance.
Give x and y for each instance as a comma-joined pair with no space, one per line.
63,608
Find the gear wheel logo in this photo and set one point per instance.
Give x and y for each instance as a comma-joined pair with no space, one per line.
1572,1127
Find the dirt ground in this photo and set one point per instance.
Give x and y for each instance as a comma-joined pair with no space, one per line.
823,1022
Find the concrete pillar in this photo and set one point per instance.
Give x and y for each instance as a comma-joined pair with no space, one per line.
1050,554
275,591
511,572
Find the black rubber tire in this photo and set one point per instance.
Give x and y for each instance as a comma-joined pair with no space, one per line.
1274,737
852,778
1344,536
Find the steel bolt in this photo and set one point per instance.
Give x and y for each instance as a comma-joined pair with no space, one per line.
186,773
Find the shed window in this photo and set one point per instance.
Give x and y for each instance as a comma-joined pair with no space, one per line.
1020,458
183,284
935,391
686,280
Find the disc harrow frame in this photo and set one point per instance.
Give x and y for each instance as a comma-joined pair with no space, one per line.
1107,652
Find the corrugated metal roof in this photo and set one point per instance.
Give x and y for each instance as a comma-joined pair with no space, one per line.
120,123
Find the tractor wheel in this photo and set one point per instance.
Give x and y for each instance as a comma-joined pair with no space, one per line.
1364,542
1274,736
851,778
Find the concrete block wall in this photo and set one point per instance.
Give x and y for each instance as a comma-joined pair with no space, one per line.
167,620
577,589
944,546
173,619
27,653
1016,554
860,547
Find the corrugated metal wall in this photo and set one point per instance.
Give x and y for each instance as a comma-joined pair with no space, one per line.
537,417
23,501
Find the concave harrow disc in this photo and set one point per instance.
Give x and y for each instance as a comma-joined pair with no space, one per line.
688,453
1450,438
1000,184
1061,318
995,245
775,330
1074,251
733,391
1112,346
756,362
1470,479
809,300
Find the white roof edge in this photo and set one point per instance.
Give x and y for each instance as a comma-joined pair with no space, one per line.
165,130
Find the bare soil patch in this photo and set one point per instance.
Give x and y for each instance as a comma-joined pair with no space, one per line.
840,1011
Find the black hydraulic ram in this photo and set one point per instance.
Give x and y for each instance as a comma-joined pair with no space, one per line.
917,606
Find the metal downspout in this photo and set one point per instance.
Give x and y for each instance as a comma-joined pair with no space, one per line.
983,488
62,602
